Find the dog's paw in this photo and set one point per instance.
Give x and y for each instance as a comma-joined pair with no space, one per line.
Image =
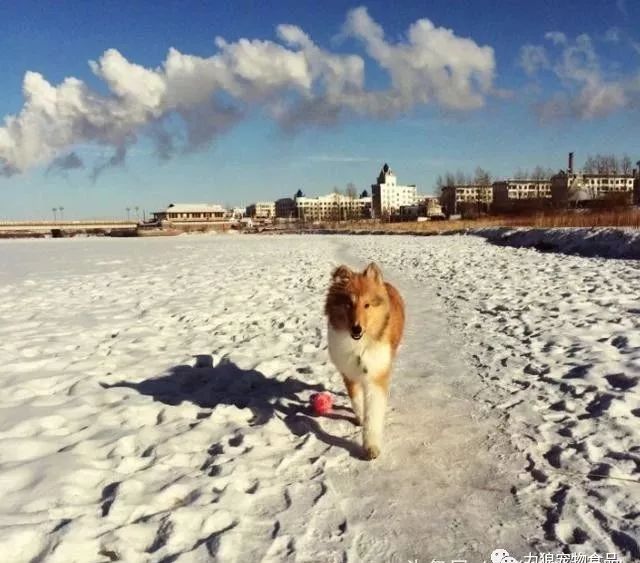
371,452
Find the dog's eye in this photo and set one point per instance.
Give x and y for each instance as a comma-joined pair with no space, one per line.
366,305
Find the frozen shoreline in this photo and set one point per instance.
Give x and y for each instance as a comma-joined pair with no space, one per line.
607,242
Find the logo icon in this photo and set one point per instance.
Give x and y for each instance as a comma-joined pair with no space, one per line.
502,556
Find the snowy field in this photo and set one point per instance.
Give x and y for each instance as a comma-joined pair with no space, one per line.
155,392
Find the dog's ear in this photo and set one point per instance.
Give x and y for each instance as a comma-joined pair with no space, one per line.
373,272
342,274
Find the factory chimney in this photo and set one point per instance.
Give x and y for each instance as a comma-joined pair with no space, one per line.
570,163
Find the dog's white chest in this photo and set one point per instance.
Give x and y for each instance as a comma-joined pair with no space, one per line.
357,359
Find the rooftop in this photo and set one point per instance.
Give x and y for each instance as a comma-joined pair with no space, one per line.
194,208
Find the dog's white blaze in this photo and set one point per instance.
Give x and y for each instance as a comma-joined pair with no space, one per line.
358,359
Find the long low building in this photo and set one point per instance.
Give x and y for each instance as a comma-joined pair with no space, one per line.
466,198
332,207
515,194
569,187
191,212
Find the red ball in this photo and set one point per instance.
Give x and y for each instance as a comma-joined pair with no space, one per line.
321,403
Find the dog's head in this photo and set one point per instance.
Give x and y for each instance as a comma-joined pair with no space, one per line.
358,301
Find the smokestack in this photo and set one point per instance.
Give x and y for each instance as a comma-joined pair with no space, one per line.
570,163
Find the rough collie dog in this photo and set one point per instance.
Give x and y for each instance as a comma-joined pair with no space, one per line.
366,320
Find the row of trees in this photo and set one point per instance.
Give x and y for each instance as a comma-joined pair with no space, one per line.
598,164
538,173
480,177
608,164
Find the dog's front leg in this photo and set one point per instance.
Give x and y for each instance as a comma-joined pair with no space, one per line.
375,404
354,389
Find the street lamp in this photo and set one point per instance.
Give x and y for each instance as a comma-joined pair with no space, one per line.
128,212
55,210
61,214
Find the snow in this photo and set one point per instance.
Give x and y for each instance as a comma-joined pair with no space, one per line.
155,403
608,242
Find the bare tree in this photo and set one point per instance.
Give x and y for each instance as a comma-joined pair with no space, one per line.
481,177
351,190
626,166
590,165
461,179
541,173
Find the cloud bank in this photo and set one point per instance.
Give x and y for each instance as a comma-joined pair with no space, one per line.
189,101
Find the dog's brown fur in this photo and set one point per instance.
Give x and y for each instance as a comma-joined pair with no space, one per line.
365,299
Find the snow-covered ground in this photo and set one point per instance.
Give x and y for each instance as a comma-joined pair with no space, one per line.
155,391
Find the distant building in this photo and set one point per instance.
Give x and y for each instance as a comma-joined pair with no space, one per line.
192,212
426,207
574,187
466,199
286,208
388,196
636,186
235,213
261,210
519,194
332,207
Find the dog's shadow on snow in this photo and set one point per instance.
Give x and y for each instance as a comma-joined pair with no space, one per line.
207,386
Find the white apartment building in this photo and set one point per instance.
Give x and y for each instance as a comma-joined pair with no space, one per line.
332,207
262,210
466,197
388,196
508,194
576,186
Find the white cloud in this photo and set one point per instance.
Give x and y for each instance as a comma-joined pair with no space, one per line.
533,58
584,90
556,37
295,81
613,35
433,65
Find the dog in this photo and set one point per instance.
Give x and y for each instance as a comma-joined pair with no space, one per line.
365,324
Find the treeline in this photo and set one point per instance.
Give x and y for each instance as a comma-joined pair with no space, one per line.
459,178
608,164
598,164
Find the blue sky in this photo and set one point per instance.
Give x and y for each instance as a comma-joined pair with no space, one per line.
556,78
